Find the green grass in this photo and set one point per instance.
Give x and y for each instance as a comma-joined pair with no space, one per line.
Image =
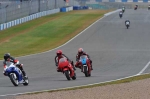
46,33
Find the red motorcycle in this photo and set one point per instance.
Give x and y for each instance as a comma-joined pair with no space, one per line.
85,65
66,68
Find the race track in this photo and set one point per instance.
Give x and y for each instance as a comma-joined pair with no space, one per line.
116,52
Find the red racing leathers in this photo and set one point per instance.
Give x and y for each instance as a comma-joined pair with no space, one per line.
57,58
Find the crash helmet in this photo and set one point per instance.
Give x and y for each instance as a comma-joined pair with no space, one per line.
59,52
80,51
6,56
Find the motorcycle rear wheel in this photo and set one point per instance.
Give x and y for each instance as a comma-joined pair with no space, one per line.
74,77
26,82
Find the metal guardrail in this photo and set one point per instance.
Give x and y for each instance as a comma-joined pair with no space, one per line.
14,9
11,10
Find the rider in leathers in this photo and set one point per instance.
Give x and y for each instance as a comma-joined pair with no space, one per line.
8,60
81,52
60,55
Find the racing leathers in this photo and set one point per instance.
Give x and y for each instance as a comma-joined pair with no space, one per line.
57,58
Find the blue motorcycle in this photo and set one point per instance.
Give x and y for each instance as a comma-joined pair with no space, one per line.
85,65
16,76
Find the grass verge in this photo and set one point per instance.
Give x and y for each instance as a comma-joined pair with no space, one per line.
46,32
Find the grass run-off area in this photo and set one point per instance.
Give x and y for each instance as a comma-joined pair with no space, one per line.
46,33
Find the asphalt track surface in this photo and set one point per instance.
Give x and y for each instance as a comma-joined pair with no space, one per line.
116,52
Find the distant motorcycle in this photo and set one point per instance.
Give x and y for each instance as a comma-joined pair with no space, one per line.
66,68
127,24
123,10
85,64
16,76
120,15
136,6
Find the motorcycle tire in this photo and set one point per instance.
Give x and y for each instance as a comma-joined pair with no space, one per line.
74,77
85,71
26,82
13,80
127,27
67,74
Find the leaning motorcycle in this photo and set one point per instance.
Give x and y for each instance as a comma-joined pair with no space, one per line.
66,68
16,76
85,65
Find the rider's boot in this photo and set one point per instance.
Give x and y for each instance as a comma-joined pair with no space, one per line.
24,74
91,67
73,65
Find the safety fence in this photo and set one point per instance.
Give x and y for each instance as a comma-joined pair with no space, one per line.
11,10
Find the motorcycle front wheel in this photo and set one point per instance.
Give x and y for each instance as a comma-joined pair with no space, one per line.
14,80
67,74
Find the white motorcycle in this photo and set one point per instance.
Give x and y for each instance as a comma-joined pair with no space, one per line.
15,75
127,24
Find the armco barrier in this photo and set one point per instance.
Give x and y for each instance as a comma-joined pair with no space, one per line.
80,7
63,9
66,9
31,17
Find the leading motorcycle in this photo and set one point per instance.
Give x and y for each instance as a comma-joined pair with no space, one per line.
15,75
66,68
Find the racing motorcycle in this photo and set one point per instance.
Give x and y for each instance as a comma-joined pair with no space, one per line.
66,68
123,10
15,75
84,62
135,8
120,15
127,24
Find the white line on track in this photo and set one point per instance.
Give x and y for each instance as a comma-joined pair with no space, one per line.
146,66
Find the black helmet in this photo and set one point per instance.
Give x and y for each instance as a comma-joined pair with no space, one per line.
6,56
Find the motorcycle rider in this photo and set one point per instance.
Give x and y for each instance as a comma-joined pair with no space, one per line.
8,60
81,52
136,6
60,55
126,22
123,9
